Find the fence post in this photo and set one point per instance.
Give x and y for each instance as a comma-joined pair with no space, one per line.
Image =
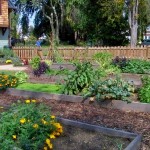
148,52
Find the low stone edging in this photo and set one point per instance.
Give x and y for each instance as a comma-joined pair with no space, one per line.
117,104
134,144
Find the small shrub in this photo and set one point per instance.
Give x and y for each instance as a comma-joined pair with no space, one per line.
42,68
16,61
7,81
22,77
79,79
28,126
35,62
120,62
110,89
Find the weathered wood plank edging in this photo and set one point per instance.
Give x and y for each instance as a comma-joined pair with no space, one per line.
117,104
134,144
30,94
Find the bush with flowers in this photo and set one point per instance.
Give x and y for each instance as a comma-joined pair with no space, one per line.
7,81
28,126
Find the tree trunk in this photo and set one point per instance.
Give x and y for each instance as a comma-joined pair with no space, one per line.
133,21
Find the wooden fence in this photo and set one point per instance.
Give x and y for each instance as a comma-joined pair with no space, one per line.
82,53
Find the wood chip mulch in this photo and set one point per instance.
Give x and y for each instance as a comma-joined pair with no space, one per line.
136,122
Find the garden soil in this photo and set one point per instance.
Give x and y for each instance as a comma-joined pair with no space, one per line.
128,121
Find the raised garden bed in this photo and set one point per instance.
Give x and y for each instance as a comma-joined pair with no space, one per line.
81,135
134,106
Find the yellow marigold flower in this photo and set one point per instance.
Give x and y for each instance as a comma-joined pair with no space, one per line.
27,101
57,133
50,146
14,137
35,126
33,101
8,61
60,130
52,136
45,148
48,141
57,125
44,121
22,121
53,117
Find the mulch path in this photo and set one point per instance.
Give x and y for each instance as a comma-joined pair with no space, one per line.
129,121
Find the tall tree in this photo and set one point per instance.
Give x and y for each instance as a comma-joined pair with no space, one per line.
47,9
14,24
133,6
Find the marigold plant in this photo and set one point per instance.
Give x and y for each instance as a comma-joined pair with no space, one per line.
28,126
7,81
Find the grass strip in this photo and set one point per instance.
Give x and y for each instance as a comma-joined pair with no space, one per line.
37,87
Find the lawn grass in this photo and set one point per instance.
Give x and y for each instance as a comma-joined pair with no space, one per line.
37,87
10,72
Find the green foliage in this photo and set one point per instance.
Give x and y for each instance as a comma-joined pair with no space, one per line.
7,54
48,62
145,80
22,76
35,62
137,66
79,79
110,89
16,61
27,126
7,81
104,60
144,92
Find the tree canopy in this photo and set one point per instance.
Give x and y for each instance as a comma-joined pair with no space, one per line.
102,22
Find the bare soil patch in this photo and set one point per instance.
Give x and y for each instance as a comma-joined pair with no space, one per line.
81,139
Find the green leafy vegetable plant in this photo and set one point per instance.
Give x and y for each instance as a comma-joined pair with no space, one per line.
110,89
137,66
22,76
79,79
144,92
28,126
104,60
35,62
